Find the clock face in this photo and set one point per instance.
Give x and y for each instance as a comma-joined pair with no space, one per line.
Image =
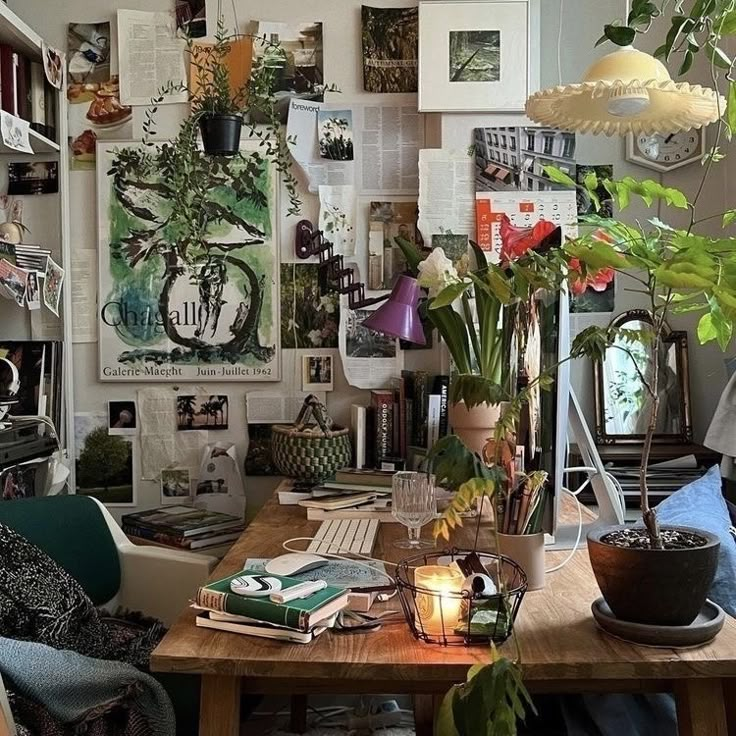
669,150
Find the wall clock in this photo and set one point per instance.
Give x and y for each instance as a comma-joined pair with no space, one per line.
666,152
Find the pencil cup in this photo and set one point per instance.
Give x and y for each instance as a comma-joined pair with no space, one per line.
527,551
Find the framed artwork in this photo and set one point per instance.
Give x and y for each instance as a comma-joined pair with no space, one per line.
187,296
478,56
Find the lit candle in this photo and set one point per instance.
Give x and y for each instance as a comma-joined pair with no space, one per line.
438,598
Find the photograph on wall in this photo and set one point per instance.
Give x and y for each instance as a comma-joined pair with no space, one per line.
175,485
310,315
390,49
191,17
297,62
38,177
93,93
318,373
388,221
259,459
360,342
201,412
121,417
18,481
476,56
52,282
454,246
592,177
335,134
104,462
513,158
179,299
14,282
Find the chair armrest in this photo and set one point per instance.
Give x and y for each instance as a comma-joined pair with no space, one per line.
7,724
160,582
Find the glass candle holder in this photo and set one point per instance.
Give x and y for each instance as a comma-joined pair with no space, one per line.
438,599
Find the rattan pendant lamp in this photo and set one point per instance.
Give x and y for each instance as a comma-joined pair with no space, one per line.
627,91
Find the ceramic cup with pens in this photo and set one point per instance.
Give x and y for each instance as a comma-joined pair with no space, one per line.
413,504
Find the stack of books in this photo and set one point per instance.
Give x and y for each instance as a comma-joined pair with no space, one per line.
298,621
182,527
401,423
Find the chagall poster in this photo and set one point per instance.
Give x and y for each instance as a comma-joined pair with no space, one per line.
188,266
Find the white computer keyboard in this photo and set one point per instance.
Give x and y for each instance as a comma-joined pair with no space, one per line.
345,537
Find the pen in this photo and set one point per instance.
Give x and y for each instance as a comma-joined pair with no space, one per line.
303,590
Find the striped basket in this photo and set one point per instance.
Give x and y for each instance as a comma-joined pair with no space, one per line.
312,448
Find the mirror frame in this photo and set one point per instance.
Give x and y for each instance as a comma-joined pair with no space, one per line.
679,339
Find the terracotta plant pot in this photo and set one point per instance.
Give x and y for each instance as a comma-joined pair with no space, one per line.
221,134
649,586
474,426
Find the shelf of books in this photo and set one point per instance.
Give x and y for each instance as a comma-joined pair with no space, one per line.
35,259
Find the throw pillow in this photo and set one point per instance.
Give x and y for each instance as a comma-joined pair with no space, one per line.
701,504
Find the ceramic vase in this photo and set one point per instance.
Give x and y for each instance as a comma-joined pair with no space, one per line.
474,426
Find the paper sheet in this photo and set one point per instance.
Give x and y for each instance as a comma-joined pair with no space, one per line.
446,193
45,325
266,407
369,359
161,445
150,55
220,487
15,132
386,141
337,217
83,284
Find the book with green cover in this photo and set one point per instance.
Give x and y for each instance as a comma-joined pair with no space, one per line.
301,614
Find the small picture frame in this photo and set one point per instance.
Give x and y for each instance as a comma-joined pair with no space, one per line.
318,373
175,485
480,56
122,417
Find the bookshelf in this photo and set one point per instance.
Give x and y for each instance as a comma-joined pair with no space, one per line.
47,217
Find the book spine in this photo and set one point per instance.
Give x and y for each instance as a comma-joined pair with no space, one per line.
421,407
38,98
23,103
261,609
401,415
383,403
370,436
7,77
395,426
358,421
442,387
433,420
144,533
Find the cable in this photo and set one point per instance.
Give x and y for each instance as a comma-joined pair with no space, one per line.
559,43
580,532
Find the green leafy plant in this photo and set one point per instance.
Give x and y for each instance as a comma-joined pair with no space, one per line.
253,101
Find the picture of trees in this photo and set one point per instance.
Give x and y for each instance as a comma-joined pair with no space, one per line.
104,464
201,412
309,318
390,49
475,56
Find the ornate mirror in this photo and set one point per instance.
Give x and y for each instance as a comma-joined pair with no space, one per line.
622,400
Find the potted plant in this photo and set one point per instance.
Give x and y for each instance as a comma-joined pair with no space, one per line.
219,109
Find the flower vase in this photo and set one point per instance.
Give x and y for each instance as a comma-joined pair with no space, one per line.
474,426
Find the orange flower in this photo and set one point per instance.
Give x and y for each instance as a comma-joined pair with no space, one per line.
516,241
579,284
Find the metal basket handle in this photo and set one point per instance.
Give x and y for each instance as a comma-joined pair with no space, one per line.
313,408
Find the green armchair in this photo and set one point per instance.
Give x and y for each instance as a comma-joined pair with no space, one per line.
81,535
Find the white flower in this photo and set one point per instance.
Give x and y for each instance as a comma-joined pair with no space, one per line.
327,303
436,272
315,336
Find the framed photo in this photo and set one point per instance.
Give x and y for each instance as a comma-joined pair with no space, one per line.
318,373
122,417
175,485
478,56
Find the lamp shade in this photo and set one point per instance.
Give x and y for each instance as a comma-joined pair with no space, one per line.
624,92
399,316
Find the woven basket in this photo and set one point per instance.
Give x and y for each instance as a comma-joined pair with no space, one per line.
312,448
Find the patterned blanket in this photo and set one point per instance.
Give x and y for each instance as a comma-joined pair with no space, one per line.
54,670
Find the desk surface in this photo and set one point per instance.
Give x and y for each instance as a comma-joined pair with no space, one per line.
555,629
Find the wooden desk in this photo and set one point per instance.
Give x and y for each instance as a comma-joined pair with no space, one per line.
562,650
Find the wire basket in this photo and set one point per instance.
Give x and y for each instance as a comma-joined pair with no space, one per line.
460,617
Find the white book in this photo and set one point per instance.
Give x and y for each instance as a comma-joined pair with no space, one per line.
261,630
433,419
357,424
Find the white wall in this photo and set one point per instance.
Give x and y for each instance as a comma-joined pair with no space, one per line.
577,26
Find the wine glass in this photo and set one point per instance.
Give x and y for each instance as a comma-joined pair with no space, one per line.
413,504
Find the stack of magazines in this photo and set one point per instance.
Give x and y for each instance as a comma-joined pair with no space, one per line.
299,621
182,527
